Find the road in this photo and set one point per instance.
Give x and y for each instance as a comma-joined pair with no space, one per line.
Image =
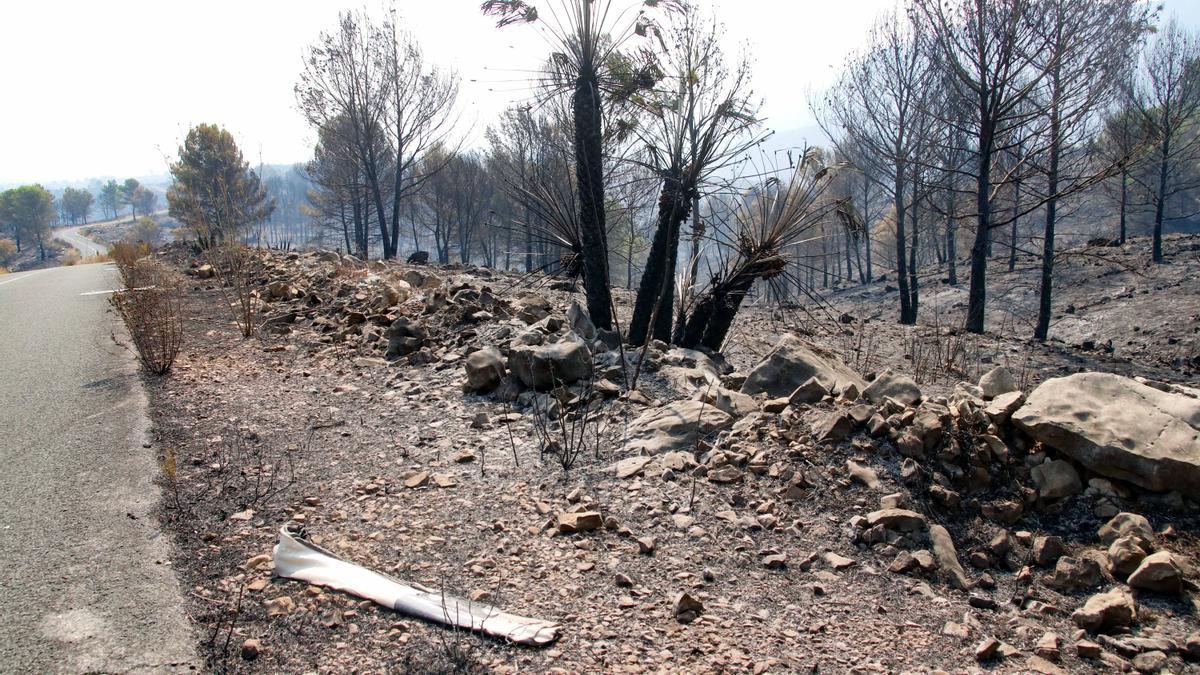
85,576
85,246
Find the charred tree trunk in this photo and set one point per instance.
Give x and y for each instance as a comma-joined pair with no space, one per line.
657,288
589,177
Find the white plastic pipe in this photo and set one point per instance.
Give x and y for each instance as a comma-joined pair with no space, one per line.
298,558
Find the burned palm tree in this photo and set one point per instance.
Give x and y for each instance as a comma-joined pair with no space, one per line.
587,36
771,219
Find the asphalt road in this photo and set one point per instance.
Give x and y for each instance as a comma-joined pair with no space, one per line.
85,576
85,246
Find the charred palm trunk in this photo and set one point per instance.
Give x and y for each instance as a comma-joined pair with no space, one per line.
906,313
658,278
713,315
589,177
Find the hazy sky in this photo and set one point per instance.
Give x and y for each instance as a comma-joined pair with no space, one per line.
110,88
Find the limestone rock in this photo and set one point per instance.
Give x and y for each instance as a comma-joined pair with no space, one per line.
485,370
997,381
947,557
687,609
1001,408
1076,574
1120,428
547,366
580,323
1124,556
1056,479
1126,524
891,385
792,363
1158,572
579,521
673,427
1047,549
900,520
812,391
1114,609
405,336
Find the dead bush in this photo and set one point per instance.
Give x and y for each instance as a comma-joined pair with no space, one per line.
237,268
126,255
150,306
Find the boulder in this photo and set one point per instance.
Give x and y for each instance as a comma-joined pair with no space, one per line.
732,402
1076,574
552,365
1158,572
1056,479
812,391
485,370
1126,524
997,381
1001,408
1120,428
531,308
891,385
405,336
580,323
673,427
792,363
1103,611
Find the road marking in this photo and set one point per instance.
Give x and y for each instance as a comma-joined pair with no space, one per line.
9,281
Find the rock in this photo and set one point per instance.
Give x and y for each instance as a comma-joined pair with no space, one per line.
646,545
1119,428
1192,646
531,308
1056,479
1160,573
812,391
775,561
205,271
1047,549
1086,649
791,363
405,336
1126,524
251,648
1076,574
732,402
997,381
552,365
579,322
632,466
281,606
903,563
444,480
837,562
891,385
833,427
899,520
579,521
1114,609
947,557
418,479
674,427
1001,408
687,608
863,474
1049,647
1124,556
485,370
987,649
1150,662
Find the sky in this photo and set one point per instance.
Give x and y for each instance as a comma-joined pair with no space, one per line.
110,88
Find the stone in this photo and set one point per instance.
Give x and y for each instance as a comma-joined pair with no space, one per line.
833,427
444,480
947,557
251,648
1124,556
632,466
1119,428
1047,549
686,608
1056,479
418,479
1150,662
731,402
775,561
281,606
1159,573
1049,647
899,520
646,545
1126,524
677,426
579,521
1086,649
837,562
888,384
812,391
552,365
531,308
1076,574
997,381
1192,646
405,336
863,474
903,563
791,363
1001,408
1112,610
485,370
579,322
987,649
